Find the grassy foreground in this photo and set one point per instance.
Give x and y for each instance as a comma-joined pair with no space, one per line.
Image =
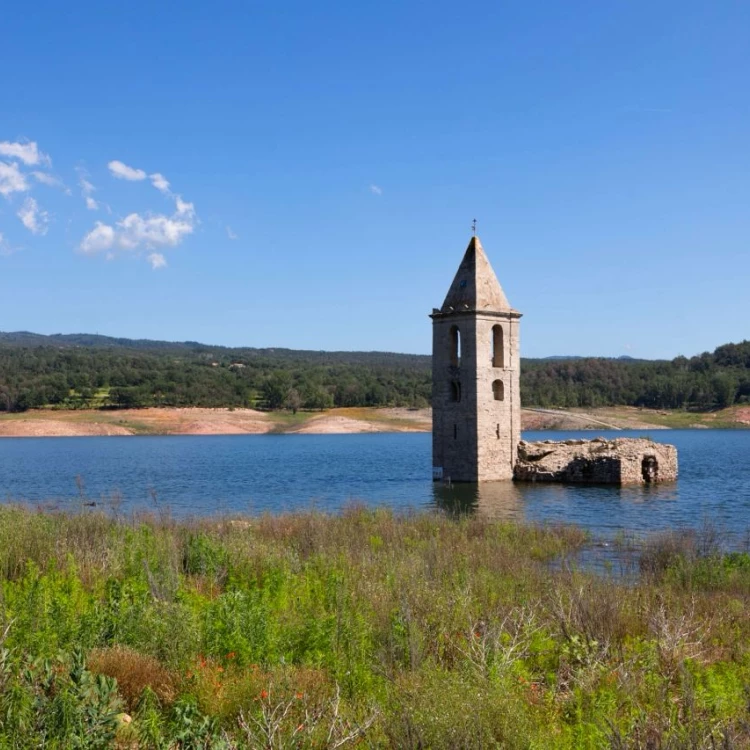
364,629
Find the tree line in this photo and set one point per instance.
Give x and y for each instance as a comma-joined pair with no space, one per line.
86,371
707,381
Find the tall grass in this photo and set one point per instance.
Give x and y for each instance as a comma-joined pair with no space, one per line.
364,629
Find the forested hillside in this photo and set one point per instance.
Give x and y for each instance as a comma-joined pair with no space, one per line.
89,371
706,381
82,370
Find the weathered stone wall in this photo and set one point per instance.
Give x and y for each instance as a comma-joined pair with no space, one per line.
476,403
598,461
474,438
498,419
454,434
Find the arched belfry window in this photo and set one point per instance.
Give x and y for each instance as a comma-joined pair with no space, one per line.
498,390
455,346
498,347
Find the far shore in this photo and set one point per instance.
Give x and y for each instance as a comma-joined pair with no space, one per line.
201,421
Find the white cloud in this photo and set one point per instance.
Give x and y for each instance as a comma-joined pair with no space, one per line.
232,235
32,217
87,188
6,249
12,180
183,208
47,179
153,231
137,231
376,190
28,153
157,260
160,182
101,237
124,172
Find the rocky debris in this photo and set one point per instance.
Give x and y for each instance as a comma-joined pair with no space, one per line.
598,461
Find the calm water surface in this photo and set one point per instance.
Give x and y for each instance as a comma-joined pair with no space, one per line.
197,475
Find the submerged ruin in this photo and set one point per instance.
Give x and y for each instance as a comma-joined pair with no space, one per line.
476,400
598,461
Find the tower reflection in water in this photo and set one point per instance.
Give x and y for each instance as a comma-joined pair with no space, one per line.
496,500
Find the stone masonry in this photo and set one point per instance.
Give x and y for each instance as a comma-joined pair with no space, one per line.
598,461
476,400
475,374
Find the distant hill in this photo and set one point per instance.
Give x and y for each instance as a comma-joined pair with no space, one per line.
93,371
96,341
569,357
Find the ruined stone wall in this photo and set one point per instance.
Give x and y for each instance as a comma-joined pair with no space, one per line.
598,461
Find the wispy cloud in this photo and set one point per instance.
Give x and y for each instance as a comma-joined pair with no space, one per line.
48,179
87,188
184,208
124,172
12,180
32,217
232,235
23,167
28,152
376,190
160,182
157,260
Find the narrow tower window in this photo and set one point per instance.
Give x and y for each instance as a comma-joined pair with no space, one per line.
498,390
455,391
498,350
455,342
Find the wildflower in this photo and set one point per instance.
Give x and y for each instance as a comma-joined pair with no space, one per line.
220,669
299,696
264,694
231,655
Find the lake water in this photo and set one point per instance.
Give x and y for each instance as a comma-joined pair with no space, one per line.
199,475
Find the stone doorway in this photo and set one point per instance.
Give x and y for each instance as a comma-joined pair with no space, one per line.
650,469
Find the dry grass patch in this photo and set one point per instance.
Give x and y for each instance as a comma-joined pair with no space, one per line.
134,673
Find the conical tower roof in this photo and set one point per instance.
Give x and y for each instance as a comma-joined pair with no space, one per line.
475,286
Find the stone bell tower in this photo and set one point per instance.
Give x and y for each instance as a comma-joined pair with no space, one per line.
476,400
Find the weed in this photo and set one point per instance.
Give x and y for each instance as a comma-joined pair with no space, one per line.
363,629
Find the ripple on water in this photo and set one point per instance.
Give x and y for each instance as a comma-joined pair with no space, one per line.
200,475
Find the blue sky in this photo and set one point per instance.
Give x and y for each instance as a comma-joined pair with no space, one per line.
305,174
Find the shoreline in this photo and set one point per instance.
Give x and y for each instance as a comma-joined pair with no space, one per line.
228,421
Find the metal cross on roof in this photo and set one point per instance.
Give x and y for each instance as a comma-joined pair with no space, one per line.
474,227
